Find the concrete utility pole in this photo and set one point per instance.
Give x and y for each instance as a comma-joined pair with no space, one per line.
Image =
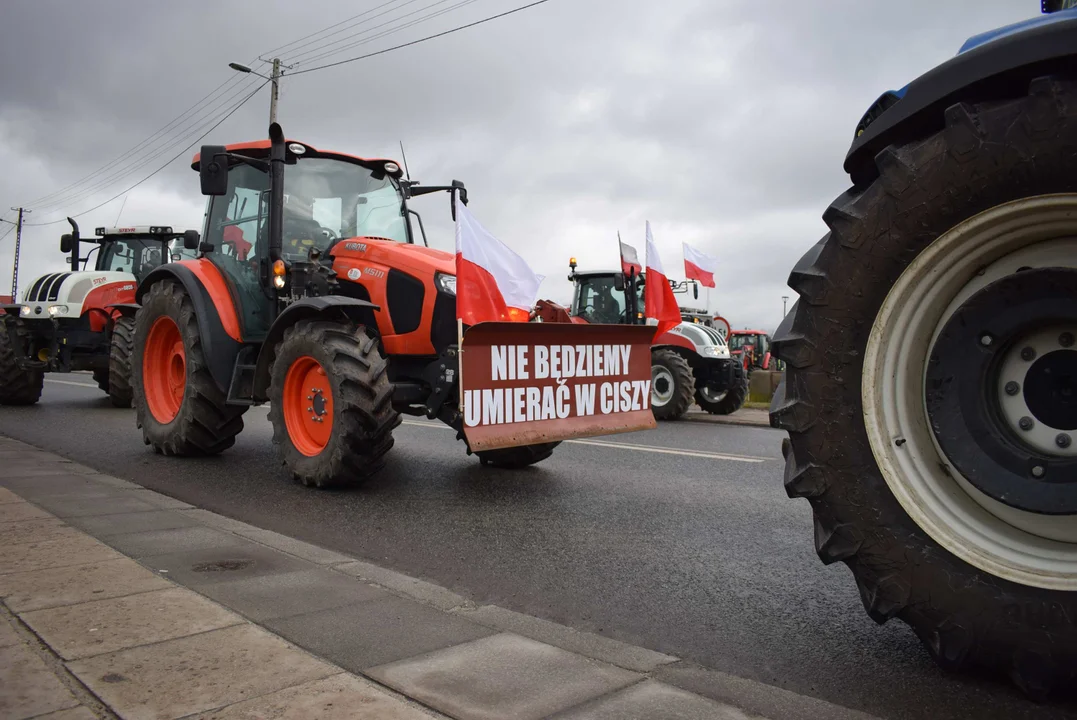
274,78
784,298
18,246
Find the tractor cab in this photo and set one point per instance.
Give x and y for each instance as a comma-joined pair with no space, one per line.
603,296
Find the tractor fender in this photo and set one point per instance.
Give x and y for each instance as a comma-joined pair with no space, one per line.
326,306
668,339
124,309
219,347
1043,48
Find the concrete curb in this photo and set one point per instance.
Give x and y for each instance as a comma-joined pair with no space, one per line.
428,632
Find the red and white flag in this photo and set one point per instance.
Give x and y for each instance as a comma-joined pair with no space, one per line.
629,258
658,300
493,283
699,266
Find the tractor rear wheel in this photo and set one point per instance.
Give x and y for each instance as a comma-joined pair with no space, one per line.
119,362
178,406
17,386
672,385
514,458
728,402
330,403
929,390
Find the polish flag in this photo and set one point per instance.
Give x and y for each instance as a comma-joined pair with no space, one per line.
629,258
493,284
699,266
658,300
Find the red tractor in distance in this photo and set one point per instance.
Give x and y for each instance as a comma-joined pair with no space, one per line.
752,347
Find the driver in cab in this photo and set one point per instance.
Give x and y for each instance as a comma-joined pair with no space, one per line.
604,307
301,231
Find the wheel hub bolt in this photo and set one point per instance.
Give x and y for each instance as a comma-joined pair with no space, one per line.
1038,471
986,339
1065,339
1063,440
1028,354
1012,388
1025,423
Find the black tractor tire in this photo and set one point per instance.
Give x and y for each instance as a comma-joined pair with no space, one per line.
363,418
730,401
514,458
17,386
101,378
985,154
119,363
684,384
204,425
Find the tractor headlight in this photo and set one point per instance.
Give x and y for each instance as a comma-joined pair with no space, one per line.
446,283
55,310
712,350
25,311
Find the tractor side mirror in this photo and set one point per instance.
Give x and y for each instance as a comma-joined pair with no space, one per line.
619,282
67,241
190,239
695,291
213,170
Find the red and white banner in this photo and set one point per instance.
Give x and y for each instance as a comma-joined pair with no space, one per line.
699,266
629,258
658,300
493,283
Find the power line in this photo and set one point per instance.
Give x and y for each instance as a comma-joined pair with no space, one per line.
125,170
9,231
137,147
422,40
319,32
172,160
323,50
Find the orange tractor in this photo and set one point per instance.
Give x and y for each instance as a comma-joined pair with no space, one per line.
309,292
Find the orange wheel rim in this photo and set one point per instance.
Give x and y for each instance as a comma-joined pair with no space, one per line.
164,370
308,406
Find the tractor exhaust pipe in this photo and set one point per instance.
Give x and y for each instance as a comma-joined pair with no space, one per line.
276,190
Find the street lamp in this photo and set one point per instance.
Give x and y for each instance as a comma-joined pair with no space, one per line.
784,298
274,78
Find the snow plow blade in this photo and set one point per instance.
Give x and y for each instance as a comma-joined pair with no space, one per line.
527,383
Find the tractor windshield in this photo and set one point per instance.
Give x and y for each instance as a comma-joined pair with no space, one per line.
325,199
597,300
131,255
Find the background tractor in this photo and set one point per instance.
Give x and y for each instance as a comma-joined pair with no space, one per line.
82,319
753,349
931,391
310,293
689,363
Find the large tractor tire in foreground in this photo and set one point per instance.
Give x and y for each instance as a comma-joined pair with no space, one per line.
672,385
17,386
119,362
929,394
178,406
728,402
515,458
331,404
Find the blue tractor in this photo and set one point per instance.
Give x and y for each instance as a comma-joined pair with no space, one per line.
930,389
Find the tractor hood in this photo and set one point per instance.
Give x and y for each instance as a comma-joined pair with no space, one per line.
414,257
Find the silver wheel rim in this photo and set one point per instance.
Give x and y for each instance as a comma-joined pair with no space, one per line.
661,377
1016,545
711,396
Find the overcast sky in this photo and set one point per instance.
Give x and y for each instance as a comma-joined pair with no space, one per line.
723,122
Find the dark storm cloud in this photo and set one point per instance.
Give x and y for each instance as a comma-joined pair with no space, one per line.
724,123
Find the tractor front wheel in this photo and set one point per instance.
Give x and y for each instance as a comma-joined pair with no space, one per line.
119,363
672,385
17,386
728,402
331,404
178,406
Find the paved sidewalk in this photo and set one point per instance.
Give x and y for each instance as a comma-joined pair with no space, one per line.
116,601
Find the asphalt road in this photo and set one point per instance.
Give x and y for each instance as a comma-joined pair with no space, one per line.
680,539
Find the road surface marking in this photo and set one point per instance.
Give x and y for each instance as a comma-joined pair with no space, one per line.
68,382
640,448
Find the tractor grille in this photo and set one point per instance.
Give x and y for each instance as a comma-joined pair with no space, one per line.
46,288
